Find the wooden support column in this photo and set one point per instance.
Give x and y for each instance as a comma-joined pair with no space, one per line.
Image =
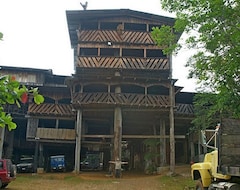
171,118
41,158
2,133
117,133
35,164
78,142
117,130
163,156
9,135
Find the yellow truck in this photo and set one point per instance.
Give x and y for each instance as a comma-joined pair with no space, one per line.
220,169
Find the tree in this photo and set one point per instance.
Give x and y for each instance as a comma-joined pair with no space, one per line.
213,28
12,92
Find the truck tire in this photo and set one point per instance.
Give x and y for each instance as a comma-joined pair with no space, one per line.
199,185
4,185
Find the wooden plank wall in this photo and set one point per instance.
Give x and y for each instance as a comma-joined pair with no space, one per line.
56,134
229,150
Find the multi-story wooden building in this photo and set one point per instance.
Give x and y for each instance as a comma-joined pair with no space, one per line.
120,95
122,89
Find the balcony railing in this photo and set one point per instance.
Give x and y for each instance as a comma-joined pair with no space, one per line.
123,63
185,109
123,99
51,109
130,37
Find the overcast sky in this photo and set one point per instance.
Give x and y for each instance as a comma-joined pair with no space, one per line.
36,34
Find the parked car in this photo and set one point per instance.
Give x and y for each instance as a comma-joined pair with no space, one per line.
92,161
7,172
26,165
57,163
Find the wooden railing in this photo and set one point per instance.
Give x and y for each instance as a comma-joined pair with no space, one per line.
123,63
185,109
123,99
55,134
130,37
51,109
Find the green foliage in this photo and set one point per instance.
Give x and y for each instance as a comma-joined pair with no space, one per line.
213,30
151,154
1,35
12,92
165,38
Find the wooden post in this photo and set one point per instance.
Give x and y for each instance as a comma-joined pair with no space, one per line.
117,133
9,138
78,142
163,160
2,133
35,164
117,130
171,118
41,158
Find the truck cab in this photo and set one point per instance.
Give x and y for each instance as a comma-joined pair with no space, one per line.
57,163
220,168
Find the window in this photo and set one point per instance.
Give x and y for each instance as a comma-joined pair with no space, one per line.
95,88
88,52
1,165
135,27
155,53
64,101
109,52
158,90
49,100
47,123
66,124
132,89
109,25
153,25
89,26
132,53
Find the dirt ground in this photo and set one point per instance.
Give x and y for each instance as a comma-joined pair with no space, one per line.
101,181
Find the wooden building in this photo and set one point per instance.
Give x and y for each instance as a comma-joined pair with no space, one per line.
122,89
119,97
43,130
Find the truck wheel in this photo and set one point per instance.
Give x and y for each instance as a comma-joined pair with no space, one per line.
4,185
199,185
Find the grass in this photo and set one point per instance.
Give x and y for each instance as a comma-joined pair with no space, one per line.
99,181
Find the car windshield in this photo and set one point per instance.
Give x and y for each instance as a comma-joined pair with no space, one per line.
26,160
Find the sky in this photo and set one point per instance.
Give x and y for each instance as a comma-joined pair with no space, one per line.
36,34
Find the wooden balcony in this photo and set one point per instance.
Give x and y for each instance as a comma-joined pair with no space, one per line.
55,134
62,110
123,99
123,63
129,37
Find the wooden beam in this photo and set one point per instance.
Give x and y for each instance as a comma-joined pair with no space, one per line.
136,136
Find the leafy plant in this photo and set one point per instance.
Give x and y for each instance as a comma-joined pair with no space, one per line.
151,154
12,92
